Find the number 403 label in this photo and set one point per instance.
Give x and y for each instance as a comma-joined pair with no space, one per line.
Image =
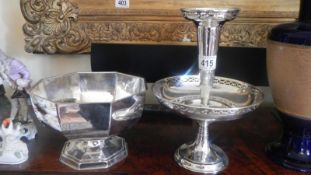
122,3
207,62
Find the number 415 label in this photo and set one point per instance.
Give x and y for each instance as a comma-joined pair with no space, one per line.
122,3
207,62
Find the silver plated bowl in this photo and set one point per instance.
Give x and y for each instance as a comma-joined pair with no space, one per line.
90,109
229,100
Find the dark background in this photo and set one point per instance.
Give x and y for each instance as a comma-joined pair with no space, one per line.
154,62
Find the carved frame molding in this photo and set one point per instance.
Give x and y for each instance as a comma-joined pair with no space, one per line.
58,26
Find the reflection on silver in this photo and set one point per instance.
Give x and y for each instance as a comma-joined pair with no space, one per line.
206,98
90,108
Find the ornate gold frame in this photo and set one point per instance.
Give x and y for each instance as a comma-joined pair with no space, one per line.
70,26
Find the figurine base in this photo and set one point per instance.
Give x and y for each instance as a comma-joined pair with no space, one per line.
213,162
94,153
293,149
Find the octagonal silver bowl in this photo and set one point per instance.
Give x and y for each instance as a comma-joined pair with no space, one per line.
90,109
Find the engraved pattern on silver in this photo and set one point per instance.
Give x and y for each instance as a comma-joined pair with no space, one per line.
203,14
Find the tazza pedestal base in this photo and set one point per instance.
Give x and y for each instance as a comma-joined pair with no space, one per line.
212,162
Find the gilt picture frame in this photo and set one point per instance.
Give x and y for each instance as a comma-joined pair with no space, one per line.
70,26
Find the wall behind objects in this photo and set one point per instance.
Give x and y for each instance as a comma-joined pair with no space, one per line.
39,65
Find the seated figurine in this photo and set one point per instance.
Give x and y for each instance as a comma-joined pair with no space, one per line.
20,125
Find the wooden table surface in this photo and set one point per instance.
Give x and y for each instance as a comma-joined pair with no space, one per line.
154,139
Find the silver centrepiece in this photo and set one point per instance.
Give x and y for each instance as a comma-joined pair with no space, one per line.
206,98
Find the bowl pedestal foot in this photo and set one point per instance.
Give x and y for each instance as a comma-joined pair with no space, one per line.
94,153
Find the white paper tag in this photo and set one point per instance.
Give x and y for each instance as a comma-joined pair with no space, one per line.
207,62
122,3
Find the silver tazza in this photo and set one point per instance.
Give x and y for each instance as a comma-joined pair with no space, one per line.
229,100
204,97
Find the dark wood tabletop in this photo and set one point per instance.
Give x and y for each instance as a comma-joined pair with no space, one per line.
154,139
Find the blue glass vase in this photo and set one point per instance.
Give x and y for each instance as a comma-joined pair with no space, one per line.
289,73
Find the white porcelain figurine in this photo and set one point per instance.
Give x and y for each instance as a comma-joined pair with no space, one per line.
20,124
12,149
